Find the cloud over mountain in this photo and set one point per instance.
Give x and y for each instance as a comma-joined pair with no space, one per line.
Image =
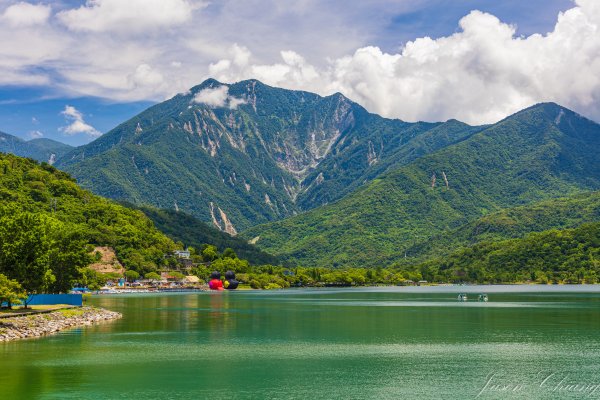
150,50
76,123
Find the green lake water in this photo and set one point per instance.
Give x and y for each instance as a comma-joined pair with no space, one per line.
527,342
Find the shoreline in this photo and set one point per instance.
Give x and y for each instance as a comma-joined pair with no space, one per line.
43,324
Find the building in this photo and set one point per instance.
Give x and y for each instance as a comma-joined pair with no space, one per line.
183,254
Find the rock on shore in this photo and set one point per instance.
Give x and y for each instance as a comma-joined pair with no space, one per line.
38,325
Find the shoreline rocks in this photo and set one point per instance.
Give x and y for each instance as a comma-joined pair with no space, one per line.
40,325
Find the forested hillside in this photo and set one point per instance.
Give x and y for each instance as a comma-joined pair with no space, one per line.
561,213
540,153
261,155
190,231
49,225
553,256
41,149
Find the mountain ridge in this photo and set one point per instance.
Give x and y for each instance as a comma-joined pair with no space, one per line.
531,156
39,149
252,158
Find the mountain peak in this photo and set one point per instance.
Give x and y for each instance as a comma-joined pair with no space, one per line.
208,83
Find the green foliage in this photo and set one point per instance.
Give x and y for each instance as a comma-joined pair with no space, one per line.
132,275
255,163
91,279
11,291
529,157
210,253
189,230
553,256
47,224
153,276
177,274
561,213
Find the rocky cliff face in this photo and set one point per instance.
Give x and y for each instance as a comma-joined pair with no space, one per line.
243,154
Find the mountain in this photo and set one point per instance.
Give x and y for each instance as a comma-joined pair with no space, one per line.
543,152
247,153
190,231
42,149
551,256
562,213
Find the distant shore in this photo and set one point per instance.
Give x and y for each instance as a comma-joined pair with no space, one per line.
40,325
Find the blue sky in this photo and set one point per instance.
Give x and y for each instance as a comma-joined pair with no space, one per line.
72,70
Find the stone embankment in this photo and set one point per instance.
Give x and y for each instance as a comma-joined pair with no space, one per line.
38,325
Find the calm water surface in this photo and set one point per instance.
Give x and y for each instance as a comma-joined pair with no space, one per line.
528,342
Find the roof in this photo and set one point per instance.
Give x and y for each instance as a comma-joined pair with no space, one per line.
192,279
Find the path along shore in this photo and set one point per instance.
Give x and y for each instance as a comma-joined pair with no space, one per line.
38,325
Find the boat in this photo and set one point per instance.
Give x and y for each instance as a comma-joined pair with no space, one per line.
483,297
462,297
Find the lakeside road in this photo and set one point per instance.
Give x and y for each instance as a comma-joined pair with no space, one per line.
39,325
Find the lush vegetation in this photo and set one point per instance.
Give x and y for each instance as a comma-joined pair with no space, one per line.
540,153
516,222
553,256
49,225
10,291
190,231
280,153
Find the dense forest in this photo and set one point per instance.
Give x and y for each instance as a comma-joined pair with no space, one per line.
49,226
189,230
529,157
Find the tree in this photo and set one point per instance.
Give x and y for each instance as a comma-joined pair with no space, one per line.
210,253
91,279
10,291
177,275
68,255
153,276
25,249
131,275
229,253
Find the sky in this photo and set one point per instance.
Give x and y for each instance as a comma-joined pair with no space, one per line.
72,70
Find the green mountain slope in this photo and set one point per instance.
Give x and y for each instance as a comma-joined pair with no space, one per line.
262,155
42,190
561,213
567,256
46,150
190,231
539,153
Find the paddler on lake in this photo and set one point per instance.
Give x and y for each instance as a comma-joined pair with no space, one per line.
215,282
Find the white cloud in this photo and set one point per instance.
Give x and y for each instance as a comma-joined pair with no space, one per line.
235,102
217,97
481,73
76,123
35,134
24,14
212,97
128,16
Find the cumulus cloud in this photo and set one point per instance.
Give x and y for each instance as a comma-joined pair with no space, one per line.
35,134
76,123
24,14
212,97
479,74
217,97
128,16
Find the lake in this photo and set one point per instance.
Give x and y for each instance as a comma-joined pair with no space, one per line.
527,342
